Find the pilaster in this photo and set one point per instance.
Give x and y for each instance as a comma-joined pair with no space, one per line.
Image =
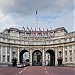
30,57
1,55
63,54
10,55
5,54
56,57
43,56
18,55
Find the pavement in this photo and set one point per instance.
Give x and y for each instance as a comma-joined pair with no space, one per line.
38,70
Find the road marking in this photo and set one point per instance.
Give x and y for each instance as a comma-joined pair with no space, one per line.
46,71
24,69
19,72
45,68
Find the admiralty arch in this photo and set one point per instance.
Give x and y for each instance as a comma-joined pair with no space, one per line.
40,48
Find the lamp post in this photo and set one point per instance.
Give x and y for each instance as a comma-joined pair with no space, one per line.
60,54
13,53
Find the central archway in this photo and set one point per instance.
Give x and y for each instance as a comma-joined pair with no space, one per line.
24,56
50,58
37,58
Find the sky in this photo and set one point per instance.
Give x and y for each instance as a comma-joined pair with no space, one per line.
51,14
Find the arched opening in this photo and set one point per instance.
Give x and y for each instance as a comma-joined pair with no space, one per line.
24,57
50,58
37,58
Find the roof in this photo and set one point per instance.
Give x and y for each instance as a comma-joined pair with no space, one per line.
61,28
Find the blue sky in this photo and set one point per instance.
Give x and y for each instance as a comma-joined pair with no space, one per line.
51,14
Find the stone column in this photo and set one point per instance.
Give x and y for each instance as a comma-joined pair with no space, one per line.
56,57
63,55
68,55
5,54
1,55
10,55
30,57
73,53
18,56
43,58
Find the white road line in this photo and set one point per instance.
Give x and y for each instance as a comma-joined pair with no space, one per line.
46,70
24,69
19,72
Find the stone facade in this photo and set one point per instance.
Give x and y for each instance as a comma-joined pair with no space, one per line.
49,45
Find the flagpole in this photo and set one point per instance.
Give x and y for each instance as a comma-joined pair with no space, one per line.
37,19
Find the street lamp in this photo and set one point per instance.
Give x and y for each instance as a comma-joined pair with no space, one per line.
13,53
60,54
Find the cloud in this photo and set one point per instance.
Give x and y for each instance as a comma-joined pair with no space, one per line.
28,7
19,13
6,21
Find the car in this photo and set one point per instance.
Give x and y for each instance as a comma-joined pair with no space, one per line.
19,66
27,64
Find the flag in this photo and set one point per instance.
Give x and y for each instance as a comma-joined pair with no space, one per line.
47,30
31,29
39,29
28,29
35,29
36,12
50,27
23,28
43,29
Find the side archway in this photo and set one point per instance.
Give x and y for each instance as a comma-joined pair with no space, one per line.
50,58
24,56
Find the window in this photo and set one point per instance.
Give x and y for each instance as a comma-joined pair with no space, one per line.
65,52
70,59
3,58
74,58
70,46
8,40
3,50
65,40
8,57
3,39
70,39
8,49
65,59
65,47
74,51
70,51
15,49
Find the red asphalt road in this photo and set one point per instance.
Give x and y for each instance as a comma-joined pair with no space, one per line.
38,70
